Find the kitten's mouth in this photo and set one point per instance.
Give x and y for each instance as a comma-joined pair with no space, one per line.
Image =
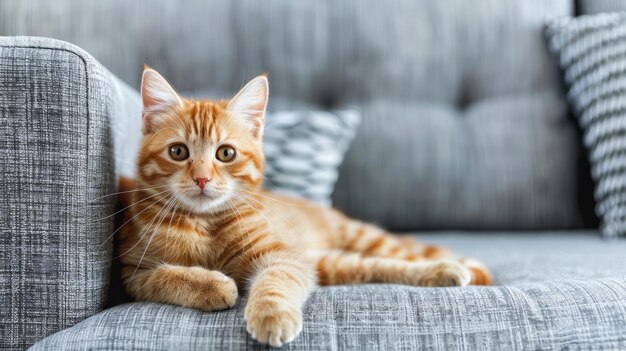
206,195
205,200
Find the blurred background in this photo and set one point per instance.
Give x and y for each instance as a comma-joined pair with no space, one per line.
464,121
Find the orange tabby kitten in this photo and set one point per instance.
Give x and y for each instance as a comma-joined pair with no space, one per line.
200,228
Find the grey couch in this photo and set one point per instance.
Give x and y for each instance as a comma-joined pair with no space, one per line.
465,127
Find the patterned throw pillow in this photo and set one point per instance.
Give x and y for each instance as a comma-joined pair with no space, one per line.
304,149
592,54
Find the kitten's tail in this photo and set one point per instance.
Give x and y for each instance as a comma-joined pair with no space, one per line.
480,273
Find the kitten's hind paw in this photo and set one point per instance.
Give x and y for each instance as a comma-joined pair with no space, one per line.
447,273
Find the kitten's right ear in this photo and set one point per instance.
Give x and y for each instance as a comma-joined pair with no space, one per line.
159,99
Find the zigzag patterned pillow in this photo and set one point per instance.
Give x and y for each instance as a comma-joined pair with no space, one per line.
304,149
592,54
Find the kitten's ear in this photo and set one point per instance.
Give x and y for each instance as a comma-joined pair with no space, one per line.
159,98
250,104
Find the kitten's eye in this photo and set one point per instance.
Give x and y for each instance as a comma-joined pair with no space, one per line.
225,153
179,152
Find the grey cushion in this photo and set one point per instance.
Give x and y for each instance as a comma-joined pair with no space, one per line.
562,291
304,149
55,105
592,52
439,83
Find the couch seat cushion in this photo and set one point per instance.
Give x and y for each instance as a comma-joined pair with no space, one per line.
555,291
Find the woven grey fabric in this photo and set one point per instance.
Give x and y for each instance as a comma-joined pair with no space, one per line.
563,291
303,151
523,258
592,52
55,101
440,84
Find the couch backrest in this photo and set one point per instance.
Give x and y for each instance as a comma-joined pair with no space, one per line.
327,52
464,122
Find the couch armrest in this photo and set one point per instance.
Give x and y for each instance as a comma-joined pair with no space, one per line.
56,106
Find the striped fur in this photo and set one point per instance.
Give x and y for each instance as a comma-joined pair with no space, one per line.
181,247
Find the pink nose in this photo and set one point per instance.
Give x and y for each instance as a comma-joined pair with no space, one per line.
201,181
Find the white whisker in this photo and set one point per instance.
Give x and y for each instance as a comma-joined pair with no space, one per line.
256,210
167,206
294,203
131,218
129,206
129,191
144,232
169,226
243,197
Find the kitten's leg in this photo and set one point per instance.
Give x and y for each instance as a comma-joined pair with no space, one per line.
194,287
352,268
369,240
279,281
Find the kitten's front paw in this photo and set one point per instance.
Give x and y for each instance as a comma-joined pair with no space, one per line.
447,273
272,322
216,292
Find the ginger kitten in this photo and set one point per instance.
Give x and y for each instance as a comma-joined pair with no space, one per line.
199,228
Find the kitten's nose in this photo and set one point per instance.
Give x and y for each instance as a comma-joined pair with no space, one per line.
201,181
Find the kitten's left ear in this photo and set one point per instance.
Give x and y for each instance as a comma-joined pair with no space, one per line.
159,98
250,104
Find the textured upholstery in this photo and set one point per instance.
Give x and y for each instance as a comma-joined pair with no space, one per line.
457,78
55,103
592,53
563,291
